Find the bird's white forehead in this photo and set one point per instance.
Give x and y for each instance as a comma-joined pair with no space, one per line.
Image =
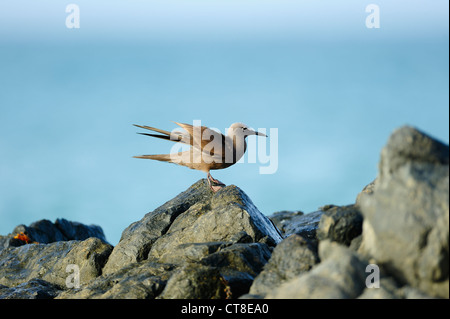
238,125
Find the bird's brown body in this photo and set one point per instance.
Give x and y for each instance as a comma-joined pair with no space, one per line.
210,150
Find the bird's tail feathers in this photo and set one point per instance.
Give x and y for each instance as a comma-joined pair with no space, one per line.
158,157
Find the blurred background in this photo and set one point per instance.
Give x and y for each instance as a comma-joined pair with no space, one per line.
333,88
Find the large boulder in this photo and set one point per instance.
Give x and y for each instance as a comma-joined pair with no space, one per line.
283,218
406,216
295,222
195,216
195,282
143,280
293,256
198,245
50,262
340,274
340,223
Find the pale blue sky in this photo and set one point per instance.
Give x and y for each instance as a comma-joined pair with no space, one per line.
236,18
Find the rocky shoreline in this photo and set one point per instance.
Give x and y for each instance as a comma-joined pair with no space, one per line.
393,242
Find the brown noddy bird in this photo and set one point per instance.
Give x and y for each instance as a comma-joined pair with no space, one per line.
209,150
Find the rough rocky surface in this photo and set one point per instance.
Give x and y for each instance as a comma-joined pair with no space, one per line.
145,280
406,218
399,223
340,274
198,245
283,219
341,224
49,261
292,257
391,243
33,289
195,216
298,223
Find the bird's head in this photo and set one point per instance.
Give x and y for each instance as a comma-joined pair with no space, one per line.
243,130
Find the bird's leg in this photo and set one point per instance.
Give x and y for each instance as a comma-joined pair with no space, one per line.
215,180
212,180
214,188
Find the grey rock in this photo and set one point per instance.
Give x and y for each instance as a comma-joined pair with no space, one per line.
78,231
144,280
195,216
367,191
304,225
189,252
249,258
292,257
390,289
45,232
408,144
33,289
209,270
195,282
198,245
49,261
137,239
283,218
341,224
239,264
406,218
42,231
340,274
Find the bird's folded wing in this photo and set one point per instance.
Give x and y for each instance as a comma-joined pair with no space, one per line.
205,139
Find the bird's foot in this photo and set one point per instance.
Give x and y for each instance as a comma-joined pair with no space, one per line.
215,181
215,188
217,184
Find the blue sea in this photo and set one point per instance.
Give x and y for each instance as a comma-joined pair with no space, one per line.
67,109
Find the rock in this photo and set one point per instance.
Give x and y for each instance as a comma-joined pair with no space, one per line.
195,282
367,190
49,261
33,289
283,218
45,232
304,225
144,280
292,257
225,272
198,245
340,274
390,289
78,231
239,264
195,216
189,252
406,218
341,224
137,239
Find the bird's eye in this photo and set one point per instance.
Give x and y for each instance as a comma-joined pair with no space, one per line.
244,128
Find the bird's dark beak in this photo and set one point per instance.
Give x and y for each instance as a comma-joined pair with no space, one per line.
260,134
